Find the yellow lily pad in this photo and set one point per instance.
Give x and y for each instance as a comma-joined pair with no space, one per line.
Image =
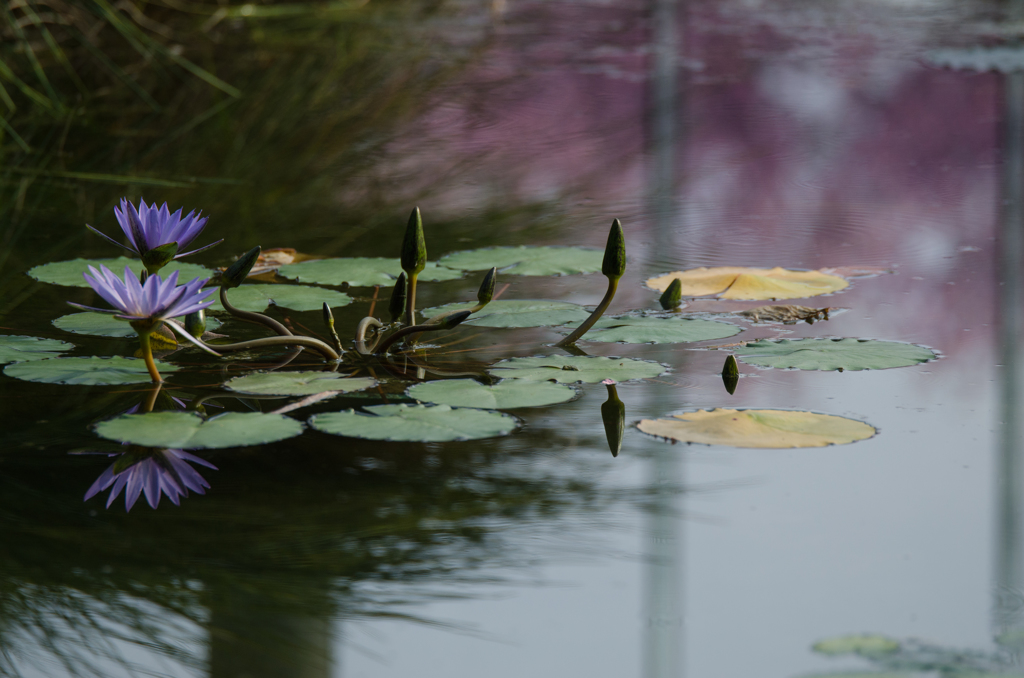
758,428
740,282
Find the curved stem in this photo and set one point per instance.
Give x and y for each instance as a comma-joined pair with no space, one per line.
361,329
308,342
613,284
406,331
252,317
147,355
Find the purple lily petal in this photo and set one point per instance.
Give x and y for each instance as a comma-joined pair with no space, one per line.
157,299
165,472
105,480
149,226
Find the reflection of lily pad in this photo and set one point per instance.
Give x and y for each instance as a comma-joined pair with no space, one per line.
89,371
867,645
297,383
517,313
738,282
758,428
296,297
184,430
105,325
834,354
652,329
527,260
505,395
18,347
360,271
572,369
70,272
422,423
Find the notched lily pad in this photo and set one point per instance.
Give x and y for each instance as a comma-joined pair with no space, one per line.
18,348
414,423
360,271
105,325
740,282
758,428
527,260
184,430
517,313
90,371
69,273
297,383
833,354
573,369
657,329
258,297
507,394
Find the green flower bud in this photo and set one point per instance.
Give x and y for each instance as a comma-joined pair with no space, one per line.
613,414
397,304
158,257
414,246
614,264
195,323
731,374
673,296
236,273
454,319
486,292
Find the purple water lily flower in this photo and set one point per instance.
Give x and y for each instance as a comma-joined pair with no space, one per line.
163,471
156,299
149,227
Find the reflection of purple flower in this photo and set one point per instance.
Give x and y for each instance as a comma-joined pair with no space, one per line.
162,471
157,299
150,226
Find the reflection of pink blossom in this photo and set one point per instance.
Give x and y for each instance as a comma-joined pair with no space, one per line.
162,471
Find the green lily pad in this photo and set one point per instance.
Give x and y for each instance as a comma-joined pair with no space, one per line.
69,273
758,428
653,329
184,430
527,260
297,383
892,674
89,371
258,297
104,325
420,423
360,271
572,369
868,645
517,313
18,348
834,354
505,395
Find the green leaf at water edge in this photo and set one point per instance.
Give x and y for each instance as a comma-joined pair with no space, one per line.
517,313
297,383
185,430
360,271
866,645
653,329
834,354
69,273
105,325
90,371
572,369
527,260
415,423
18,347
258,297
505,395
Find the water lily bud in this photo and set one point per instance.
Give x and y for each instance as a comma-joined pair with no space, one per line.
673,296
328,316
613,414
486,292
414,246
731,374
236,273
195,323
454,319
158,257
397,304
614,264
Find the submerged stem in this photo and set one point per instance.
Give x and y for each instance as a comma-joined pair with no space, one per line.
613,284
410,300
252,317
147,355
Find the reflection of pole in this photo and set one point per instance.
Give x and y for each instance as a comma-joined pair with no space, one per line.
663,603
1009,611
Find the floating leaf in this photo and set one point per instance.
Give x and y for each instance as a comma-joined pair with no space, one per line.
834,354
787,315
257,297
896,674
653,329
297,383
70,272
422,423
360,271
105,325
89,371
505,395
18,347
517,313
573,369
758,428
867,645
184,430
738,282
527,260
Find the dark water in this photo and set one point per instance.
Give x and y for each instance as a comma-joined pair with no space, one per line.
795,134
